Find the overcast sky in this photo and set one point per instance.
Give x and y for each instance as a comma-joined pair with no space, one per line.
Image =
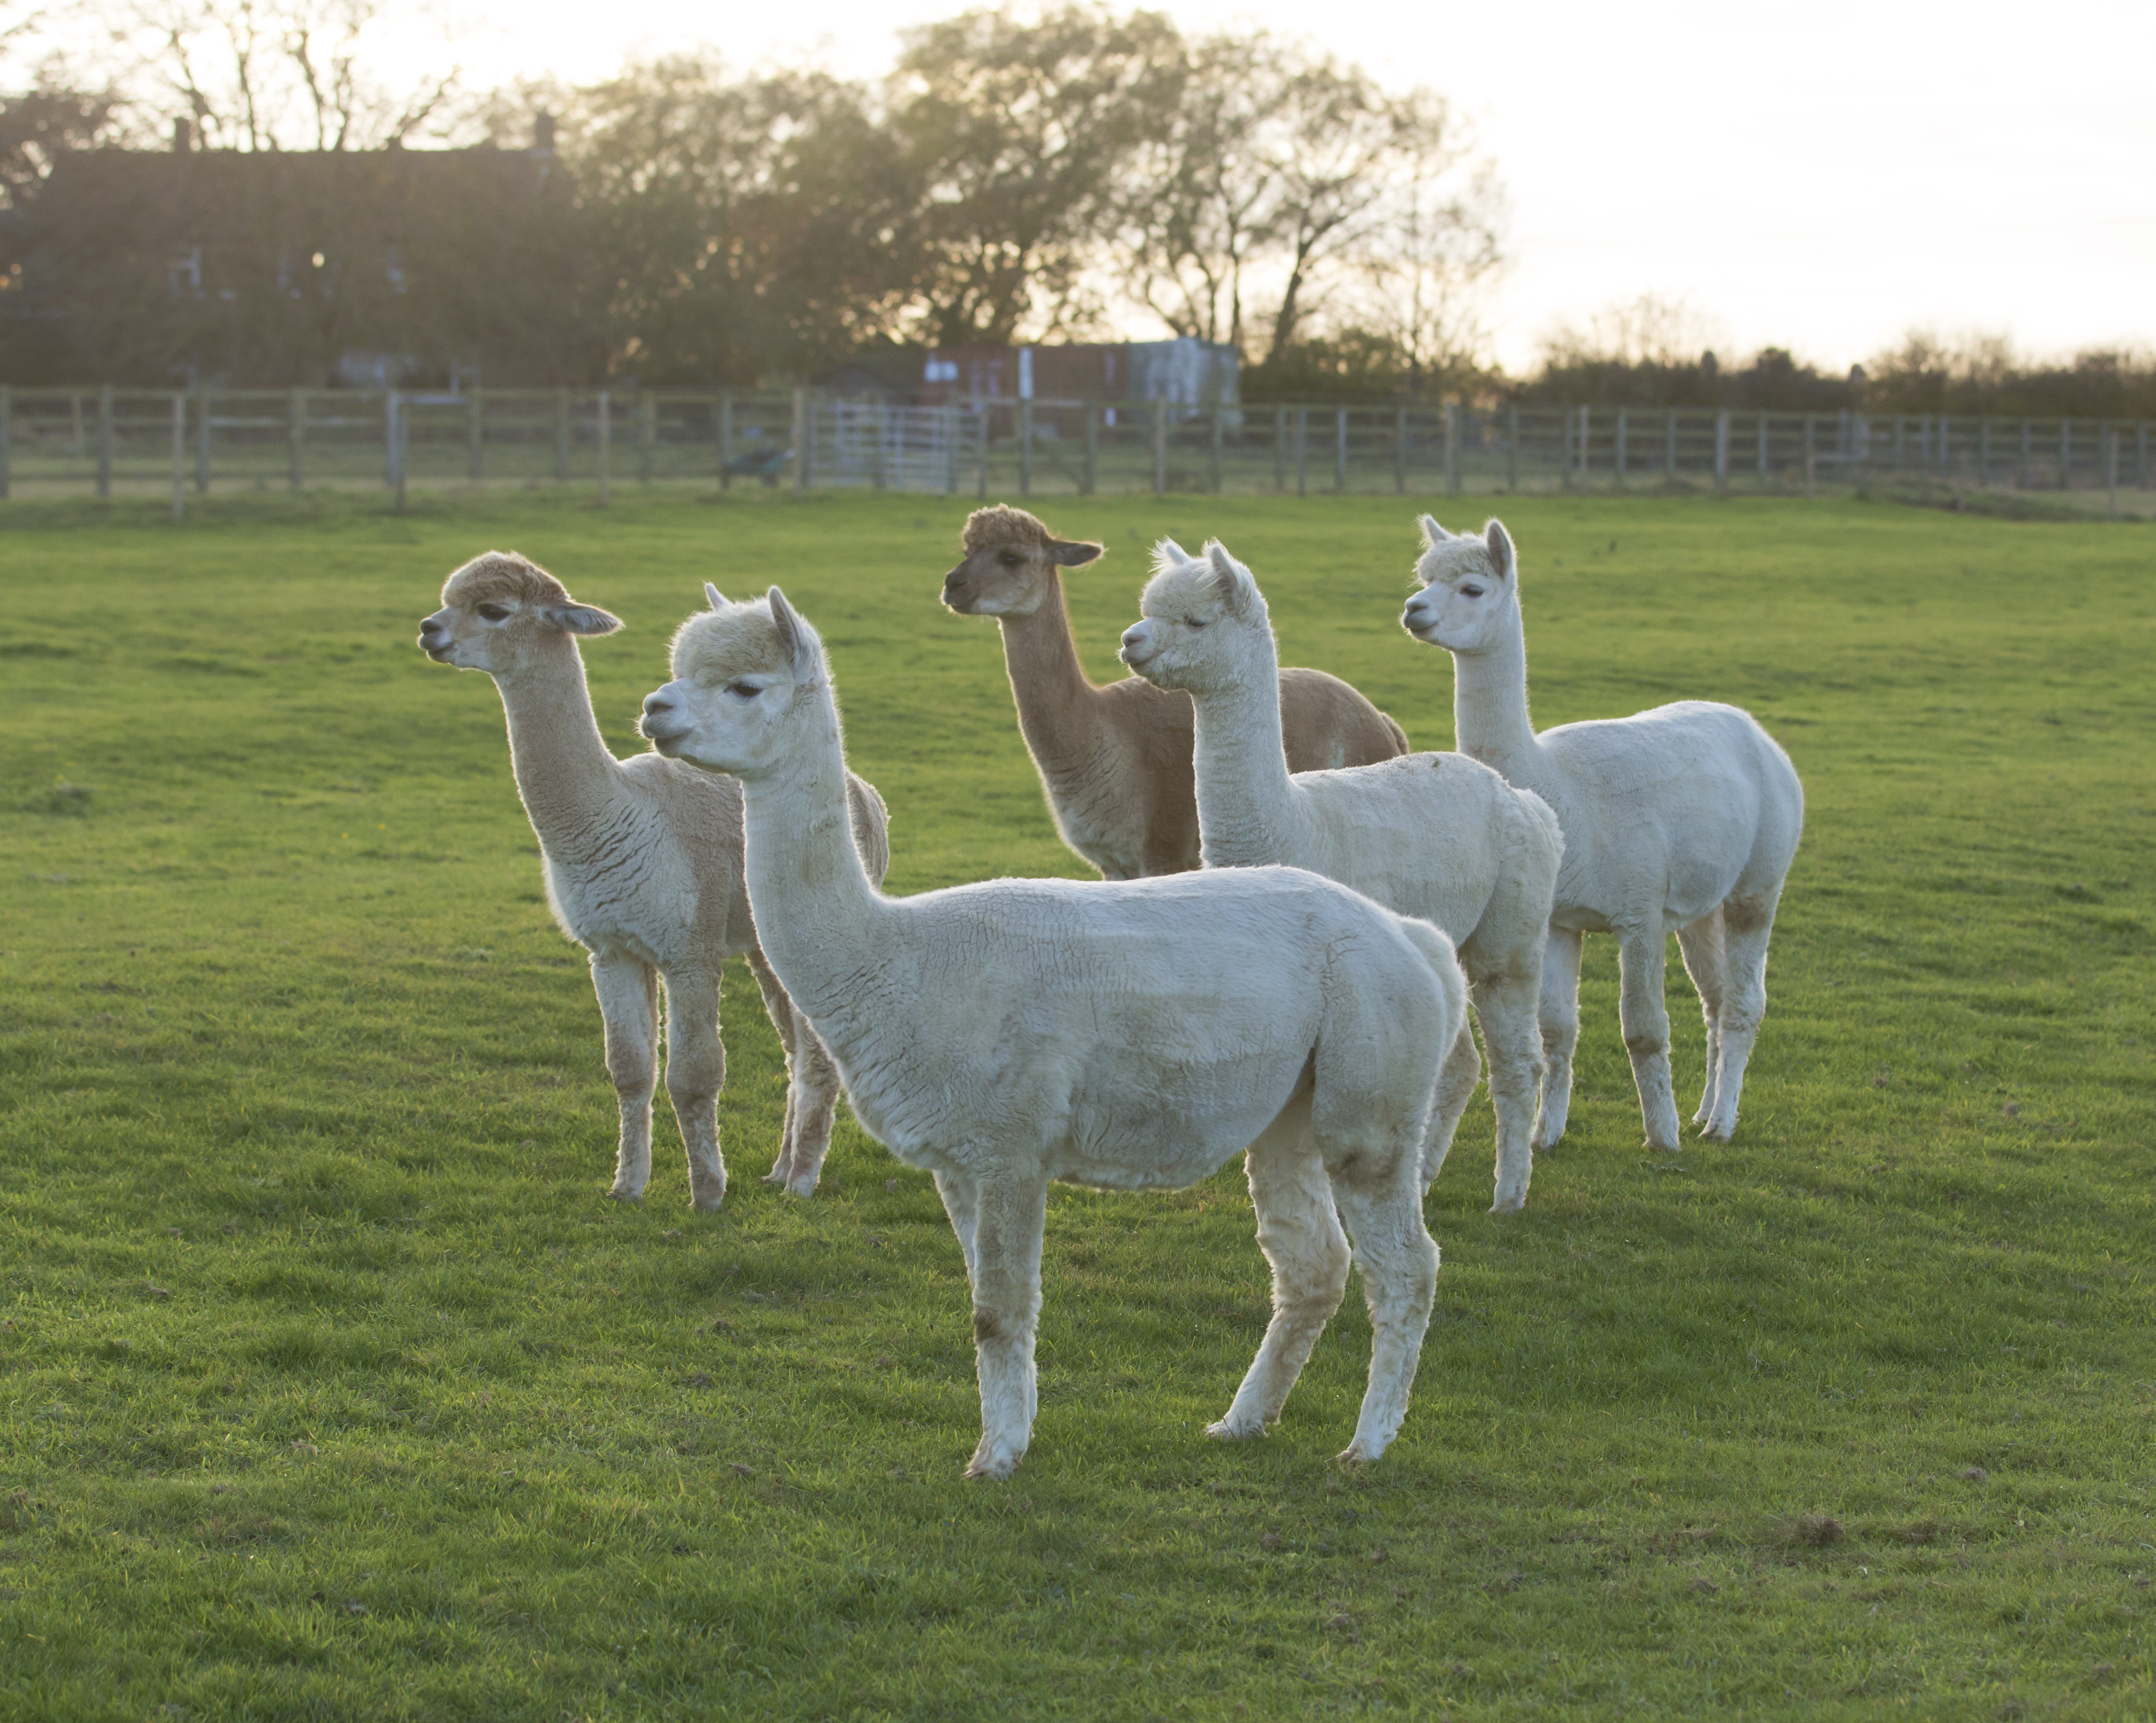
1819,177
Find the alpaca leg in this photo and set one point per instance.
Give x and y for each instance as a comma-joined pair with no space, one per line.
1398,1259
1008,1218
1560,1015
812,1098
1749,923
1701,944
1456,1079
1507,1005
1301,1236
779,1008
1647,1023
629,1001
695,1073
961,1202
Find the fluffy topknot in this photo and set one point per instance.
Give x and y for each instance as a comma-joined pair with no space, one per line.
503,574
999,524
741,639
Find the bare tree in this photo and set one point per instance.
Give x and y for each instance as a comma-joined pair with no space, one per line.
264,74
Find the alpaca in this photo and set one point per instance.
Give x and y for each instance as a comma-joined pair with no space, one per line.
1682,818
643,869
1115,761
1435,835
1122,1034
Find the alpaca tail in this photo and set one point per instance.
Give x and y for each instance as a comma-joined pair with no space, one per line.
1437,951
1399,735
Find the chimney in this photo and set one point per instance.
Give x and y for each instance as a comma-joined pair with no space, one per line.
542,133
183,135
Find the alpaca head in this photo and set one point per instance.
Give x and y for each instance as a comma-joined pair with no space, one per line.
747,680
1470,600
1205,626
500,613
1011,560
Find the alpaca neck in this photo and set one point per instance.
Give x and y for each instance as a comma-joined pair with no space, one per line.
1059,711
1244,799
569,782
818,913
1490,719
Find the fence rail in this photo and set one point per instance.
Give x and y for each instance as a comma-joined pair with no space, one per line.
123,442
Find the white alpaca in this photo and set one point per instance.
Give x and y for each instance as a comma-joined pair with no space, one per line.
1684,819
1430,834
643,869
1125,1035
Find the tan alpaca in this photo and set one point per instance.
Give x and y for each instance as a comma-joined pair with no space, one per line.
1115,761
643,870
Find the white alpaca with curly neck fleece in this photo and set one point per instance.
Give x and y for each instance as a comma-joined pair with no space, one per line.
1430,835
1125,1034
643,869
1682,820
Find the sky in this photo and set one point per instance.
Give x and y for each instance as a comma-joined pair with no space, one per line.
1822,177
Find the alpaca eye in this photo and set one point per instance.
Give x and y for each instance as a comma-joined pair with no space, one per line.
743,691
1195,622
1470,592
494,613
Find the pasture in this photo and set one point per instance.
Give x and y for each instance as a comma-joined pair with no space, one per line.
334,1387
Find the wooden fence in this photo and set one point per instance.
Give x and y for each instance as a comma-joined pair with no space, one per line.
107,442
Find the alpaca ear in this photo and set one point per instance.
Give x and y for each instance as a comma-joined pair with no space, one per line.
578,618
1238,590
795,638
1073,554
1499,543
1433,535
1167,554
717,599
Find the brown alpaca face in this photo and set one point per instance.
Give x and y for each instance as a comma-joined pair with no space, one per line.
498,610
999,580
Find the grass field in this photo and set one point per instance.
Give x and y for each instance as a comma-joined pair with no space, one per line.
334,1387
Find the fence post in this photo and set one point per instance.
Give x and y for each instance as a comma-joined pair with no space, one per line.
1512,452
1983,454
1025,447
1092,447
1280,449
981,413
475,435
1219,433
1586,446
1302,451
2140,438
2028,458
561,436
1564,445
1669,445
647,434
800,441
179,455
1617,456
1452,447
1946,447
6,417
1340,450
2111,469
2066,454
104,443
201,442
395,431
726,437
1810,490
1763,449
1722,451
606,443
1160,447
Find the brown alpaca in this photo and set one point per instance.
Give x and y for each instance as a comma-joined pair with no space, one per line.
643,870
1115,761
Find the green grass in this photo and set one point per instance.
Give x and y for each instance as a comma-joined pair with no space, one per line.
334,1387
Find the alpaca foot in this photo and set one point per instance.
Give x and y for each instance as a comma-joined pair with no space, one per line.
1358,1452
1718,1133
1232,1428
1509,1204
708,1201
993,1460
801,1185
623,1193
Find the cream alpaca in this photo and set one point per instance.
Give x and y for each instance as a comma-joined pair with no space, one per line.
1684,819
643,869
1430,835
1115,761
1126,1035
